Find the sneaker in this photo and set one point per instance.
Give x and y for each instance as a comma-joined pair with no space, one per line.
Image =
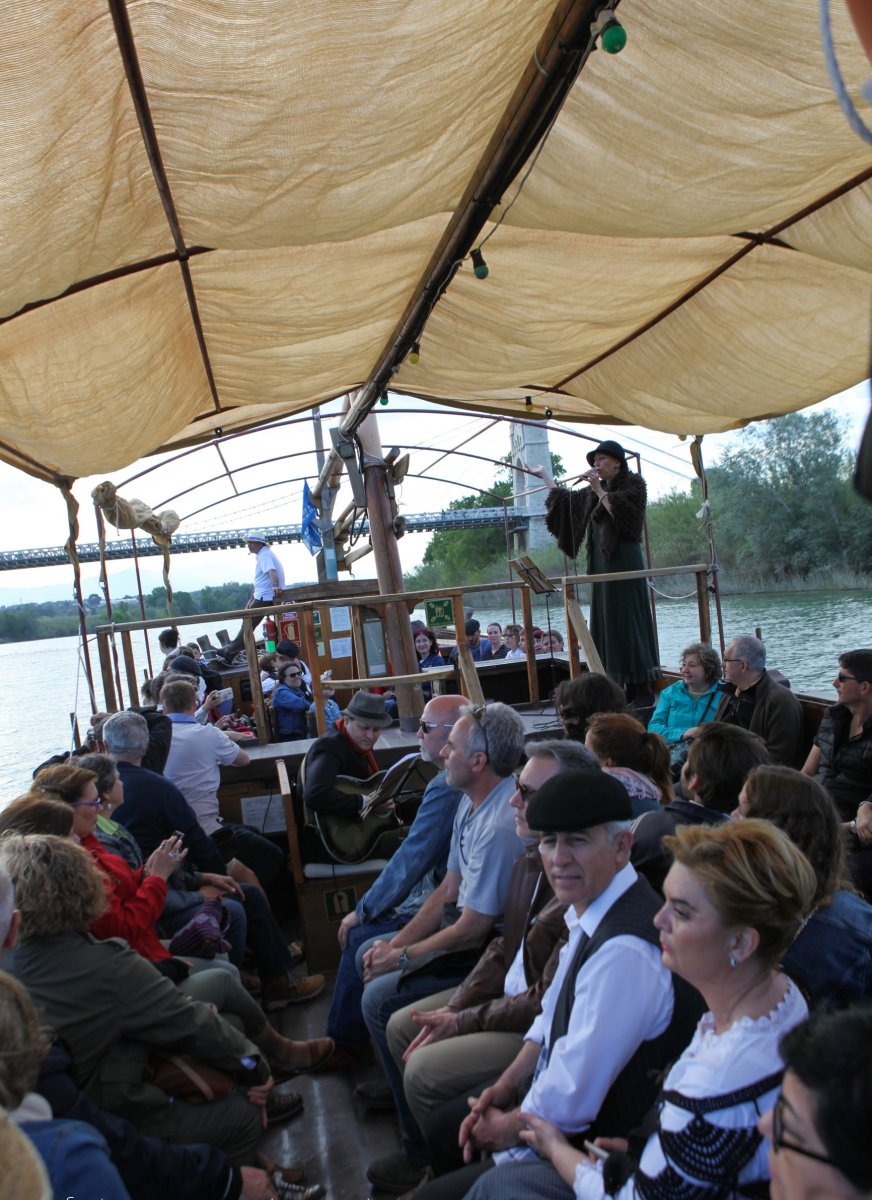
282,991
281,1106
376,1095
297,1191
395,1174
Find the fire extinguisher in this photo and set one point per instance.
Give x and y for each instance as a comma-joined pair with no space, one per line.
269,634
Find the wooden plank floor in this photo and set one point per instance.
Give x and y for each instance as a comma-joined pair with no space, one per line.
334,1139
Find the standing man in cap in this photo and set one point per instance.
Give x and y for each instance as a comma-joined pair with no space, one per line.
608,516
269,583
613,1014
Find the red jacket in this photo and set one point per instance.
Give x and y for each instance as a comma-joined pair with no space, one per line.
135,901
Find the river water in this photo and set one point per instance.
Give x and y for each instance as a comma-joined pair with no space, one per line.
804,632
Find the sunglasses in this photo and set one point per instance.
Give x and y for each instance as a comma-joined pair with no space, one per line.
843,678
429,726
778,1142
526,793
292,675
478,715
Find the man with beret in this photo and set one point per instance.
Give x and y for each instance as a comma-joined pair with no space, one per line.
613,1014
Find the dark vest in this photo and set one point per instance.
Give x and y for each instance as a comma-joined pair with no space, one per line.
637,1085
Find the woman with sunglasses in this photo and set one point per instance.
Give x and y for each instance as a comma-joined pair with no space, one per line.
735,897
291,701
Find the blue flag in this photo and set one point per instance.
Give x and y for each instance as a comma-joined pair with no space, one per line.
310,534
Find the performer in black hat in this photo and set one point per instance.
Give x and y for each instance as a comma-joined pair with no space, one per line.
608,515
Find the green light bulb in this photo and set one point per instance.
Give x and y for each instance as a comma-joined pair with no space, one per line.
383,398
479,266
415,354
613,38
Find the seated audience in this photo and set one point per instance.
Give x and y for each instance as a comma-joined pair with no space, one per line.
819,1128
289,652
831,959
712,777
269,679
168,640
153,810
290,702
552,642
735,898
756,701
457,1040
588,1060
512,645
112,1008
684,707
841,758
480,650
446,936
576,701
637,758
495,638
87,1151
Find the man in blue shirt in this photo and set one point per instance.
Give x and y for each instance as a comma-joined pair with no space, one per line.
481,651
412,873
444,939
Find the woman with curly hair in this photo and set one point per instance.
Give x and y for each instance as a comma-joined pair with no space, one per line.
684,707
639,759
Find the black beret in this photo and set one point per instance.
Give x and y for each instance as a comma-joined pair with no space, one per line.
612,449
576,800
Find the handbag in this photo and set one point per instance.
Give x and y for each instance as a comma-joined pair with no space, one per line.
203,935
181,1076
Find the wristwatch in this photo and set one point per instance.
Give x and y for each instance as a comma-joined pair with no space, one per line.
403,960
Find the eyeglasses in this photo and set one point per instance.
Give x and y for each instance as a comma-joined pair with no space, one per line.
87,803
843,678
292,675
429,726
778,1142
524,790
726,660
478,715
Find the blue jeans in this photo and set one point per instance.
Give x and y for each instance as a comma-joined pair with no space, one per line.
257,852
381,999
345,1023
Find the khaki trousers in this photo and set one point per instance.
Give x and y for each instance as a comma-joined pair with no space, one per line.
453,1067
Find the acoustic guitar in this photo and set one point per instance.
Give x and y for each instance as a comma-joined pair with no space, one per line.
372,834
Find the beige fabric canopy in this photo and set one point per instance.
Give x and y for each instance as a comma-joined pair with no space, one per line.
691,249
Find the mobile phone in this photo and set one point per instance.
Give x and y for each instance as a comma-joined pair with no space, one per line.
177,833
596,1151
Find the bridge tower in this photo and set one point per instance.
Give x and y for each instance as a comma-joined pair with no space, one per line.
530,448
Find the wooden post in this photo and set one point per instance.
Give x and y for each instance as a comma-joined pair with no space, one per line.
129,667
705,620
530,647
260,720
105,653
398,630
470,684
310,656
571,636
576,617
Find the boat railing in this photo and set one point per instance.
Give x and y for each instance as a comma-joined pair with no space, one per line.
578,637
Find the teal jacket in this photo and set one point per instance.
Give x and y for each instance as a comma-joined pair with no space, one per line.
678,710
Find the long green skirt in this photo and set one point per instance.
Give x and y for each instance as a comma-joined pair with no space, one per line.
620,616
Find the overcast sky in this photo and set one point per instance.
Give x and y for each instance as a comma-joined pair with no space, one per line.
35,513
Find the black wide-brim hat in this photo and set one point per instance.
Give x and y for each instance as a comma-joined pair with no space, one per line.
369,709
613,449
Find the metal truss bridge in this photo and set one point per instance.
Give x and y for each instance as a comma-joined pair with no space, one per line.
228,539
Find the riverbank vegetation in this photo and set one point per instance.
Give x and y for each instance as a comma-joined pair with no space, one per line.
784,515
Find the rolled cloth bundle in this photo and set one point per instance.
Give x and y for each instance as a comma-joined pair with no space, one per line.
135,514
